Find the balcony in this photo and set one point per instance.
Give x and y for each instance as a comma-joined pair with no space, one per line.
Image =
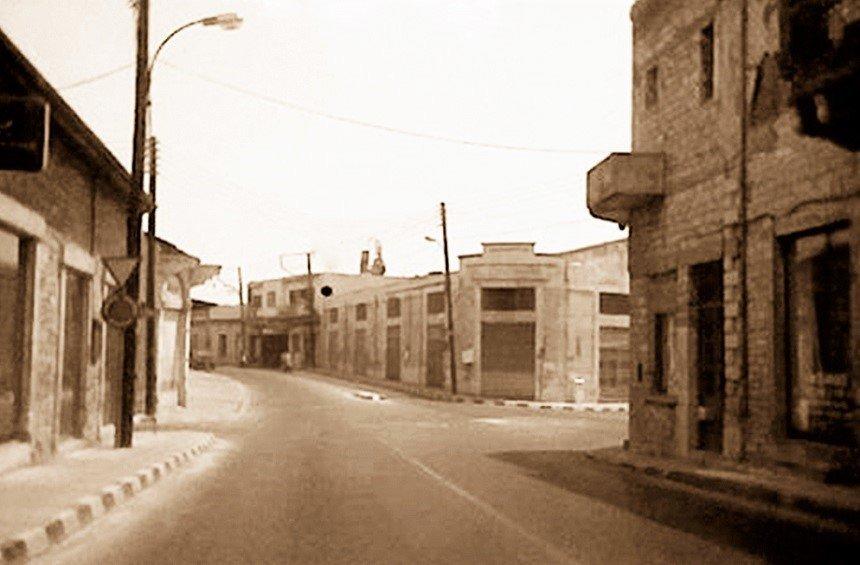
291,311
623,182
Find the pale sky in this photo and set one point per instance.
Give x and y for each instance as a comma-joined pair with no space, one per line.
251,168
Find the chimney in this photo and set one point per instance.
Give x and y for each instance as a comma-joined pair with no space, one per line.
378,267
365,261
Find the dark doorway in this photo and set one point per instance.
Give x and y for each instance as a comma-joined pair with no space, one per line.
272,348
12,299
361,352
436,347
707,310
392,353
74,349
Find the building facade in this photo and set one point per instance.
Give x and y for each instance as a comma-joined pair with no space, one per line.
282,314
741,195
56,226
526,325
216,334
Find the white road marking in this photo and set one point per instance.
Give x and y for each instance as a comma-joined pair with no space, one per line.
549,549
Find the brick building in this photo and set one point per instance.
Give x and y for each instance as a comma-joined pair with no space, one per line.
55,227
742,195
527,325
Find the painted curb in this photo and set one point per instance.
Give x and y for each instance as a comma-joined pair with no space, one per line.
88,509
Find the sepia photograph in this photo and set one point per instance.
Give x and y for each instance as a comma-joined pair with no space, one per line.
429,282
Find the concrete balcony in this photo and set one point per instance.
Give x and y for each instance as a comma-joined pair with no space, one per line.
623,182
291,311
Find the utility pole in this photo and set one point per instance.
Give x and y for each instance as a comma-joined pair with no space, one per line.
449,304
151,319
123,436
244,330
312,341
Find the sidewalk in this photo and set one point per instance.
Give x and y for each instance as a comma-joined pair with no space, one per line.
445,396
780,489
43,504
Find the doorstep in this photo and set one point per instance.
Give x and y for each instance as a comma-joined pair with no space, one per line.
833,502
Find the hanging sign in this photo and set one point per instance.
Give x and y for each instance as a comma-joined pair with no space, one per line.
120,310
24,127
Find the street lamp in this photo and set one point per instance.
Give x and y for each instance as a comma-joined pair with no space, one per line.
228,21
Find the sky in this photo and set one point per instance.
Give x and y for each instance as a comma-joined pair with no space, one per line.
327,125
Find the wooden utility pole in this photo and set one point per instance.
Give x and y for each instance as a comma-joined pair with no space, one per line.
151,319
125,425
312,330
449,304
244,328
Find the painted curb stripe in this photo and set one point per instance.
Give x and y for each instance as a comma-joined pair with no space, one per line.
86,510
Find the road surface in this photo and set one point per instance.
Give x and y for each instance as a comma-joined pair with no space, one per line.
321,476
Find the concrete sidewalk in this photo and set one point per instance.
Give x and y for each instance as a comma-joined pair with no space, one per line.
779,489
43,504
446,396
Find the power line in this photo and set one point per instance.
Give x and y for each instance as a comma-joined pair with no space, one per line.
97,77
381,127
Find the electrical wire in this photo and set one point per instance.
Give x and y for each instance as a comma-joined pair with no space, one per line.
380,127
96,78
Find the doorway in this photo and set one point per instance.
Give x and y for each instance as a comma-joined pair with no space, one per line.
707,313
392,353
74,358
436,347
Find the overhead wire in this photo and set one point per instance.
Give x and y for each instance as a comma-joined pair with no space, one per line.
372,125
95,78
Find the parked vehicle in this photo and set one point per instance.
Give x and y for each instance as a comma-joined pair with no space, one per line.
202,360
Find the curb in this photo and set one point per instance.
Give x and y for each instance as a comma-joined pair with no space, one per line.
757,492
86,510
442,396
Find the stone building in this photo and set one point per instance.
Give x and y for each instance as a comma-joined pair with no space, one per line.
176,273
216,332
527,325
56,226
281,318
741,195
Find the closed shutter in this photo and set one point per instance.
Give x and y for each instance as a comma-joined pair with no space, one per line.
508,360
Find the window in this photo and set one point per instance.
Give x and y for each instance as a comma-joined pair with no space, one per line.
361,312
208,342
299,296
662,353
614,303
651,79
332,315
256,301
706,54
222,345
393,307
507,299
435,302
270,299
818,315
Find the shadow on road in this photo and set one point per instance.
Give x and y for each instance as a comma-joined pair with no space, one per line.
759,533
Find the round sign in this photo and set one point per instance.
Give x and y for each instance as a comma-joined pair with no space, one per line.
119,310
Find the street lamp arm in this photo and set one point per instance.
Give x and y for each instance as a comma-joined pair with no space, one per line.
168,38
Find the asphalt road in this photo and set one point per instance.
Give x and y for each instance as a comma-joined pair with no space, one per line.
320,476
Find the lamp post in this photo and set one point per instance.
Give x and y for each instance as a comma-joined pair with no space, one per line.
227,21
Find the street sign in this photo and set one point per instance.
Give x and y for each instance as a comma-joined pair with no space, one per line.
119,310
121,268
24,127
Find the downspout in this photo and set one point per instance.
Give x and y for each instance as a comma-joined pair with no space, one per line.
743,408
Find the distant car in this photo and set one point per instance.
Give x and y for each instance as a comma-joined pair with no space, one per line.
202,361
